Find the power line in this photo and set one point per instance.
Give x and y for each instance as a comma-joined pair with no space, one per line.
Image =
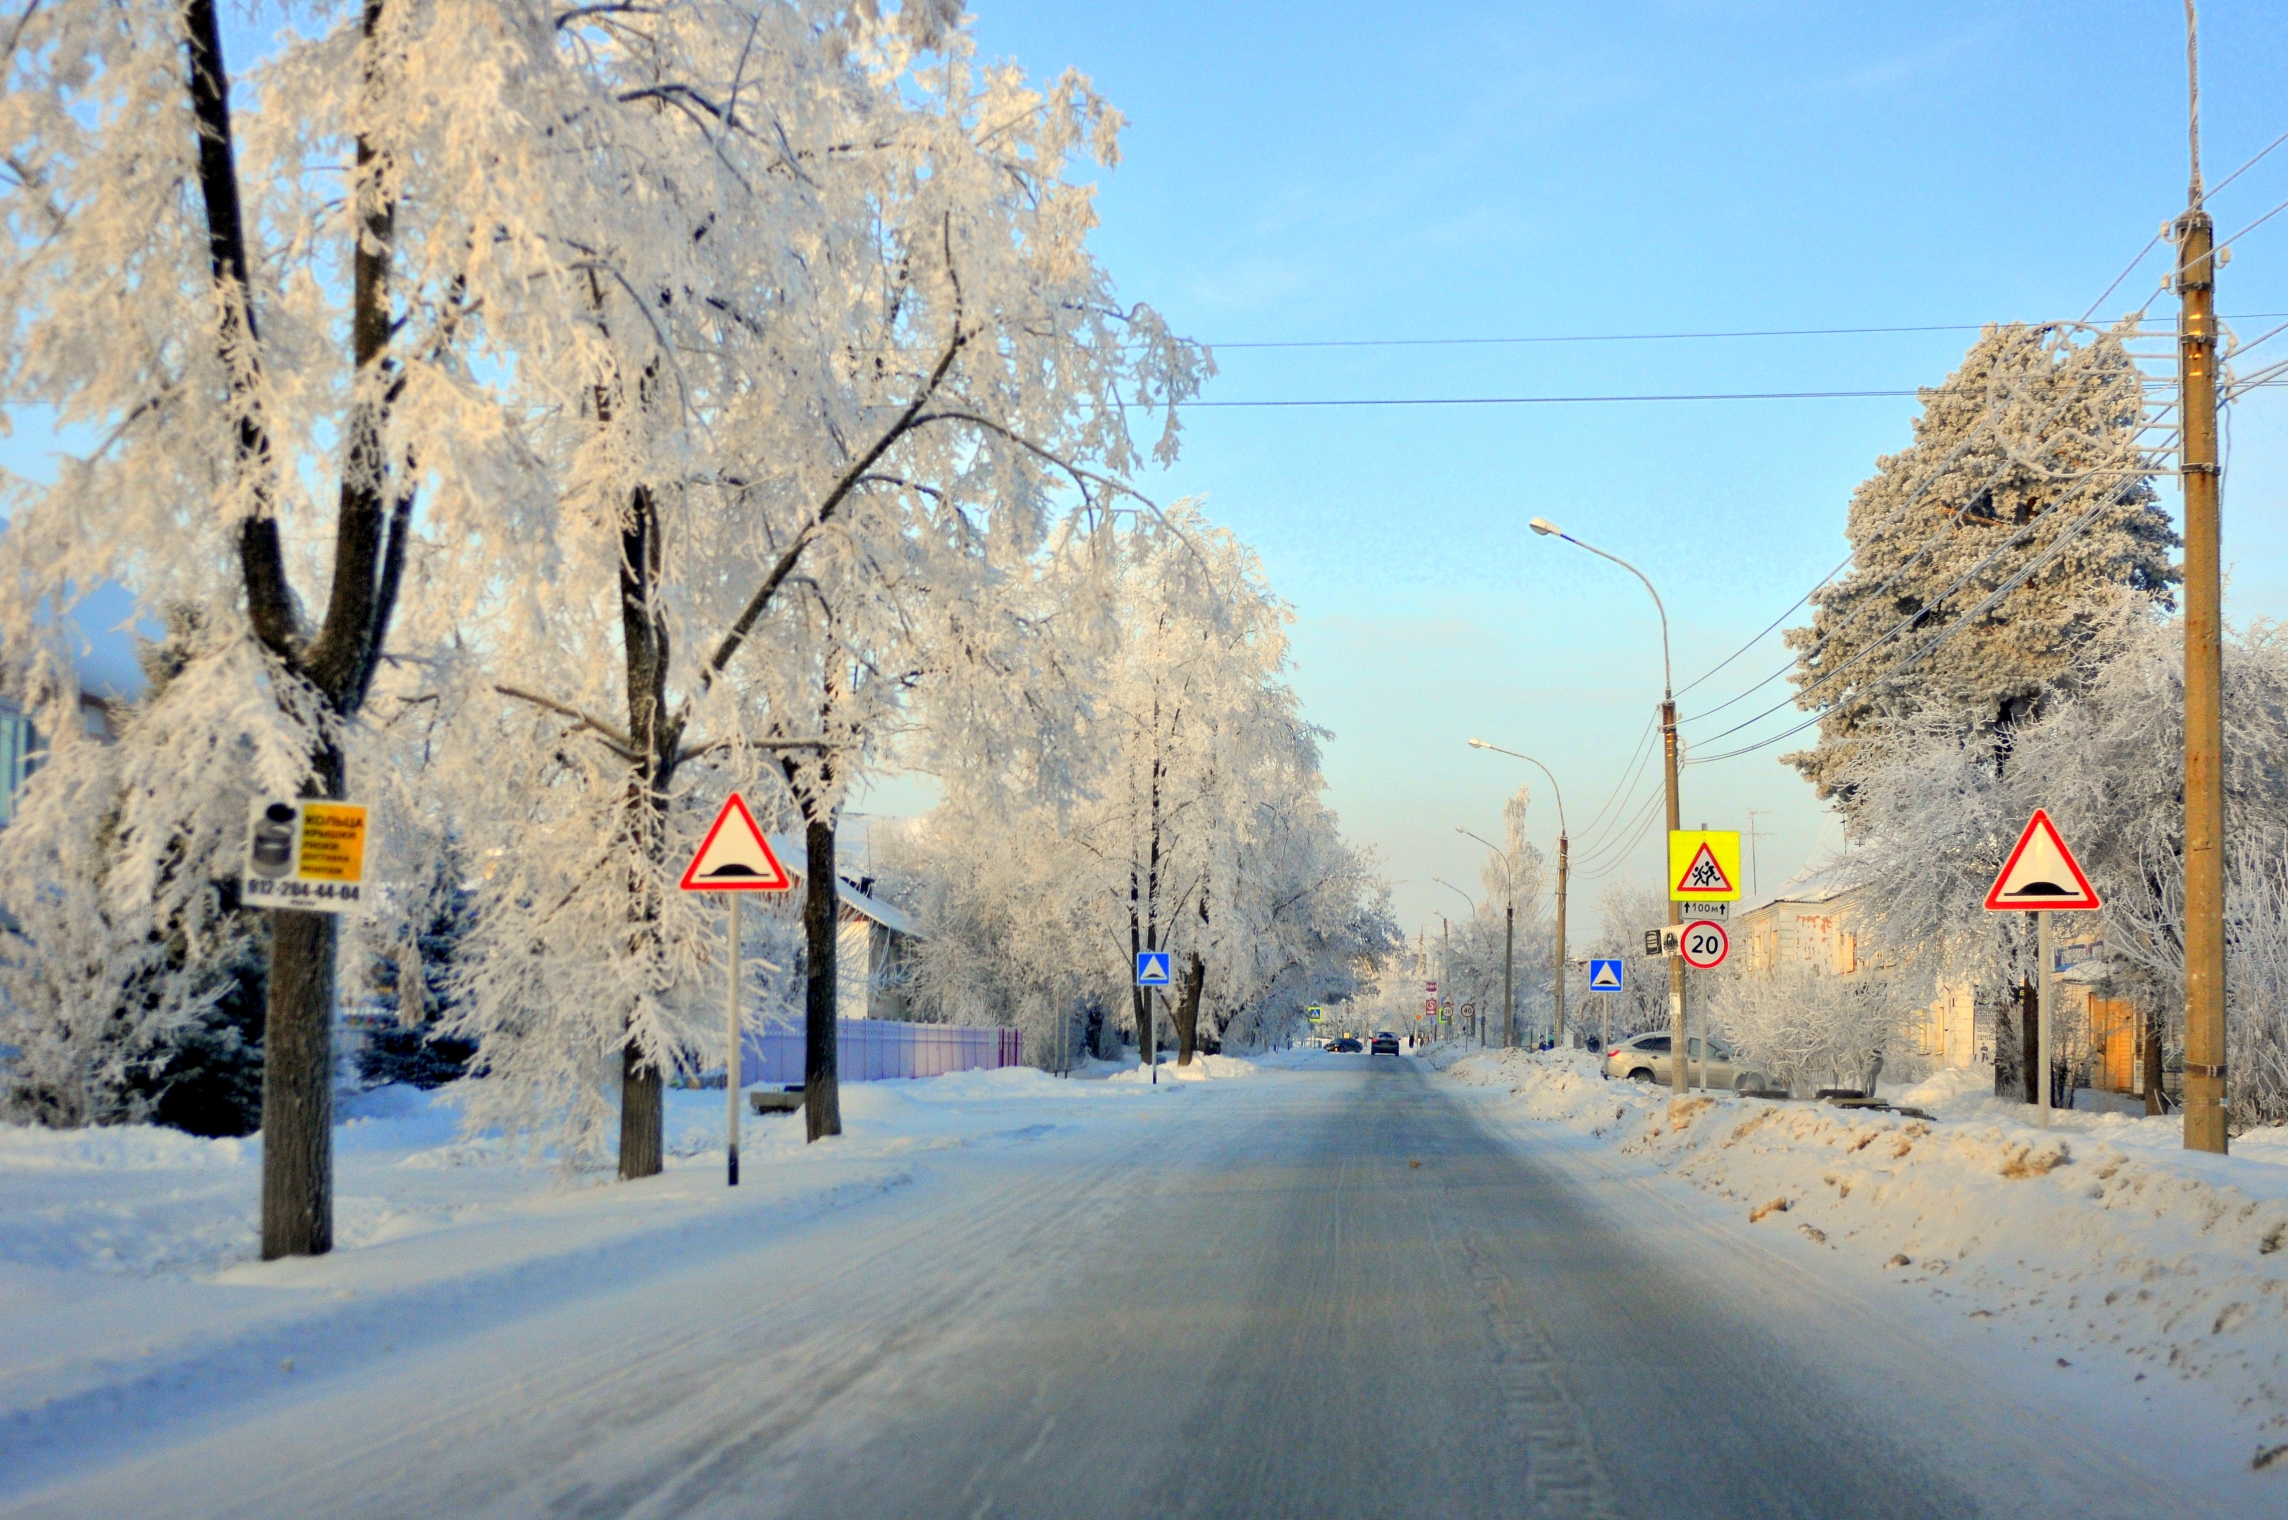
2016,579
1539,400
1666,337
1987,420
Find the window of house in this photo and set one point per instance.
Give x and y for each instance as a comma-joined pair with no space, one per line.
16,741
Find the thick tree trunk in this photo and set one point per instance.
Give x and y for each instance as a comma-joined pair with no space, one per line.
297,1067
1188,1011
298,1088
644,643
821,923
643,1115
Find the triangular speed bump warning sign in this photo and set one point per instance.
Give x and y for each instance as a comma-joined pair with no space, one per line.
1604,976
1704,865
735,856
2041,873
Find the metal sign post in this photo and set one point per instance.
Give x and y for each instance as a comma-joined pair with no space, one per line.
733,1070
2041,875
734,860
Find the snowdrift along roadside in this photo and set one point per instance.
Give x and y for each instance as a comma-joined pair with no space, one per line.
2092,1237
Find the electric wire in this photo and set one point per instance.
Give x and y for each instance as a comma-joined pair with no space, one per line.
1930,478
1907,623
2010,583
1623,792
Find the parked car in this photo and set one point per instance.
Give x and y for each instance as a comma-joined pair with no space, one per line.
1385,1043
1348,1045
1645,1058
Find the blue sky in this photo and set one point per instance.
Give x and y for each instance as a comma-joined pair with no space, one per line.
1345,171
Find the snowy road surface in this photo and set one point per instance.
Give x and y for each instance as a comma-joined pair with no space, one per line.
1323,1292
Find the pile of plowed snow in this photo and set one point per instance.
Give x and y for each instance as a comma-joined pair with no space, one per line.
2097,1236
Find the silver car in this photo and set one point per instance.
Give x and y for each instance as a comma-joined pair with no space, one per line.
1646,1057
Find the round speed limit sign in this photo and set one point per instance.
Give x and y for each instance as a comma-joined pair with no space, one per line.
1704,945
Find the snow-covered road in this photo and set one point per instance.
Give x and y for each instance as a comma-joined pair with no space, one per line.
1338,1289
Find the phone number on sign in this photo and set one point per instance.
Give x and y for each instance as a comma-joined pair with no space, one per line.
300,891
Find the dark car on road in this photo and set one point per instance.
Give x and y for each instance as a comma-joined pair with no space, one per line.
1348,1045
1385,1043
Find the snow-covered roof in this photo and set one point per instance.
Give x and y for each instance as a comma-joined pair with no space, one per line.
890,916
1820,883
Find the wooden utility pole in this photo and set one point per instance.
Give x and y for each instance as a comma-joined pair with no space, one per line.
2204,654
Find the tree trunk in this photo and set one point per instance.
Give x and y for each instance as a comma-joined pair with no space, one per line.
643,1115
644,642
298,1088
1188,1011
821,923
338,664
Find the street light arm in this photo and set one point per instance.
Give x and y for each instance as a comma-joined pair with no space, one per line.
1466,897
1554,789
1667,675
1509,882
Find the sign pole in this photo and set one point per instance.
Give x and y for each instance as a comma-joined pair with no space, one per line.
2043,1007
731,1072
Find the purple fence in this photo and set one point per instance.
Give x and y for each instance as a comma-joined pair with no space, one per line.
872,1050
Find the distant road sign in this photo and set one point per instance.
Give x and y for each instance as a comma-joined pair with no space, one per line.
1315,1013
1704,945
1704,865
1152,968
1604,976
2041,873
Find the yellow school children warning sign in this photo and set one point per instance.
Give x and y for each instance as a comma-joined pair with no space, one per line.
1704,865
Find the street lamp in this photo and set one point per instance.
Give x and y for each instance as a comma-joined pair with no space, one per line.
1564,866
1509,940
1678,1043
1446,947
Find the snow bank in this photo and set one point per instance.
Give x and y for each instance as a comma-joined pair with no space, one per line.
119,1148
1203,1068
2099,1238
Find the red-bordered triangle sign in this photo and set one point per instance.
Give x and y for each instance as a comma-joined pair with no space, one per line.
2041,873
735,857
1704,874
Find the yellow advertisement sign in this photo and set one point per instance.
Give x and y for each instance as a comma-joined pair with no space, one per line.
1704,865
333,842
305,855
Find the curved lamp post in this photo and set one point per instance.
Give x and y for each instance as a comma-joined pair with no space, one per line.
1446,946
1509,941
1564,867
1679,1044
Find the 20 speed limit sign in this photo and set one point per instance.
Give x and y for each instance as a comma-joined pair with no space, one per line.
1704,945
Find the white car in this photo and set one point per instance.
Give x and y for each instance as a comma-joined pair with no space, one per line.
1645,1058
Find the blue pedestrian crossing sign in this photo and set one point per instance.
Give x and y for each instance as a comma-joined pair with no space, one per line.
1152,968
1604,976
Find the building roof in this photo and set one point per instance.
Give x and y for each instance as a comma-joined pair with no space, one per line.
890,916
1822,883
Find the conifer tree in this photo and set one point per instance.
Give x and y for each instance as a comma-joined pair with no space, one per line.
2025,507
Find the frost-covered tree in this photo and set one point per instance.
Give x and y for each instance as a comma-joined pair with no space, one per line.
1184,817
597,334
1941,814
1803,1027
2024,504
823,417
1624,912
